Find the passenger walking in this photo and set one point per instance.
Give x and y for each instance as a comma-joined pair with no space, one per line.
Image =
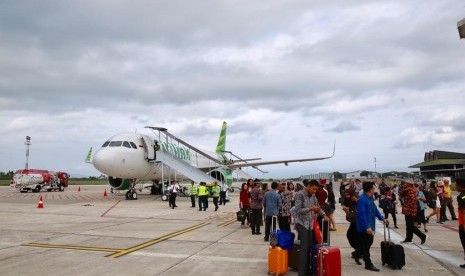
322,196
387,203
440,193
366,214
306,208
271,203
460,186
256,205
349,206
410,210
215,194
420,218
193,193
448,201
434,203
292,191
284,217
244,202
223,191
331,206
203,196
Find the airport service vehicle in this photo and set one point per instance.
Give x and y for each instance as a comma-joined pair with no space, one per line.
36,180
129,157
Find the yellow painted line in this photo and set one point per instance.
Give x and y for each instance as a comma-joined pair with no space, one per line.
152,242
229,222
63,246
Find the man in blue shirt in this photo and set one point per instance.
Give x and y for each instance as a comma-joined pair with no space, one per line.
271,202
367,212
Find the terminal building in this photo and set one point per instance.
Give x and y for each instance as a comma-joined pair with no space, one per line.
438,163
328,176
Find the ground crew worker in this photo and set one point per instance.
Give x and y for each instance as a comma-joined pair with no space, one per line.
203,194
216,194
193,193
224,189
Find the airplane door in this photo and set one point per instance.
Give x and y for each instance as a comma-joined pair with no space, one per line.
149,152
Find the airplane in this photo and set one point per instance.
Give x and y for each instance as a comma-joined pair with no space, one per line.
129,157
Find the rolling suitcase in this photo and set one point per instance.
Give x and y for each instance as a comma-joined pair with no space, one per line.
392,254
277,257
329,258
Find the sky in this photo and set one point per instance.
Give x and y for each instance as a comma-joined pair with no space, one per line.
383,79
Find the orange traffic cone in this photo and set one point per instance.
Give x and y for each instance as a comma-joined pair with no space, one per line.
41,204
105,193
79,188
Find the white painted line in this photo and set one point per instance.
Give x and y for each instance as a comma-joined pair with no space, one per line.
442,256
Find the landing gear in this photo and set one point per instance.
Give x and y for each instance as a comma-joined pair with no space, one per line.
131,195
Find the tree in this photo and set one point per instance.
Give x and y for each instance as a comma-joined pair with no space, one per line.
338,175
364,173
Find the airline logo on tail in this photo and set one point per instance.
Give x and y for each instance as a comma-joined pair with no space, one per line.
221,147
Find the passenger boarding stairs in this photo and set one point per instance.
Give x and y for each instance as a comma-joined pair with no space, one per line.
178,164
183,167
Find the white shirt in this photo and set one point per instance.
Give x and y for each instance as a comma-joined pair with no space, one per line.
224,187
174,188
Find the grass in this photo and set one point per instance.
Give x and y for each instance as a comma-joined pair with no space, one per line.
6,182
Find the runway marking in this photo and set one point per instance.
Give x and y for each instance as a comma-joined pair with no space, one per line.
110,208
63,246
450,228
224,224
155,241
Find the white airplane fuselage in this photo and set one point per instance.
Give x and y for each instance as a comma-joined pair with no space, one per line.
127,156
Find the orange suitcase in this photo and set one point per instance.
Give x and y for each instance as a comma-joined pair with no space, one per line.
277,260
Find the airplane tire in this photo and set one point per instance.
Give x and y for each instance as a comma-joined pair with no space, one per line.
36,189
231,190
134,196
164,197
128,195
23,191
61,188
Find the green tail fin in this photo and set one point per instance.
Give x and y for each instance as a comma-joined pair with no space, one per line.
222,140
89,156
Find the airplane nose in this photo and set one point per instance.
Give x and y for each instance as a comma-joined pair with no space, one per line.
103,161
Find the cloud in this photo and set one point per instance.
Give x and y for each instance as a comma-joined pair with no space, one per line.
288,77
344,126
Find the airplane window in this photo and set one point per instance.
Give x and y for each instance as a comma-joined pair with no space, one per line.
133,145
126,144
105,144
115,143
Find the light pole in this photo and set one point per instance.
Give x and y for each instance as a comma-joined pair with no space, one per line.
375,168
27,143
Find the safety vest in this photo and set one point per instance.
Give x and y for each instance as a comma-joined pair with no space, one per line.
216,191
203,190
193,190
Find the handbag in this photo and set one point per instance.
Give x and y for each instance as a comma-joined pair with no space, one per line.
240,215
351,216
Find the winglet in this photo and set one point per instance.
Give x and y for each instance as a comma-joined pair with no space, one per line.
221,147
89,156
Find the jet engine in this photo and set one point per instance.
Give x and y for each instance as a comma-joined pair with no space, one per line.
119,183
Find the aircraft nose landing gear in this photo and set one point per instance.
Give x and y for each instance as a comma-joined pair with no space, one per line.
131,194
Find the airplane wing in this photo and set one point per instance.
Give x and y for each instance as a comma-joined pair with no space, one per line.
285,162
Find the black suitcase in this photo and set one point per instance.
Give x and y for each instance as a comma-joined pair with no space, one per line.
293,256
392,254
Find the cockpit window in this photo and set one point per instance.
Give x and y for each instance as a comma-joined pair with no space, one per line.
126,144
115,143
133,145
105,144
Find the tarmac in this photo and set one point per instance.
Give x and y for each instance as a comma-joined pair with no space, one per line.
84,233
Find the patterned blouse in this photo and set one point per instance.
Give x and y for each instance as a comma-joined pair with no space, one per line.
410,207
286,198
